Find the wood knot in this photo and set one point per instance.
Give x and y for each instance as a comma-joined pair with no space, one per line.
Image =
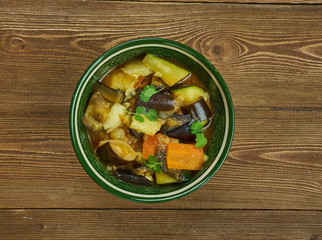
225,50
14,43
217,50
43,227
18,43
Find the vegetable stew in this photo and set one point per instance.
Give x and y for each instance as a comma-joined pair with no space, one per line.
149,121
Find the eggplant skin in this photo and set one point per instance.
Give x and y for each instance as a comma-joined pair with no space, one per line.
110,94
176,121
106,154
200,109
132,178
182,132
159,102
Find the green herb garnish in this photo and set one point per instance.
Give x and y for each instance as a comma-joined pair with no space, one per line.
139,110
152,114
152,163
138,118
196,128
201,140
147,92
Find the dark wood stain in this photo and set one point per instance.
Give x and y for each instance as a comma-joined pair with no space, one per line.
270,55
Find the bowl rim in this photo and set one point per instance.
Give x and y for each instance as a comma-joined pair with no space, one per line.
202,61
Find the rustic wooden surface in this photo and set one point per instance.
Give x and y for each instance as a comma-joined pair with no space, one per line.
270,55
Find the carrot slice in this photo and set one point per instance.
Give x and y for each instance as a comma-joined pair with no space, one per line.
150,145
184,156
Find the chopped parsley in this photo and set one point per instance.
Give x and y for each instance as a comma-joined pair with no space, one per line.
140,110
152,114
147,92
152,163
201,140
196,128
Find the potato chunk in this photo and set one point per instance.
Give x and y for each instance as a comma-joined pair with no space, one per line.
148,127
136,68
114,119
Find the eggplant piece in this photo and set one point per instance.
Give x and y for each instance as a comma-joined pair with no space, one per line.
183,132
96,112
158,101
129,177
177,120
116,152
199,109
107,155
164,89
142,170
110,94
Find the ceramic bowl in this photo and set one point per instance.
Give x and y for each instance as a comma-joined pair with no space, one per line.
220,97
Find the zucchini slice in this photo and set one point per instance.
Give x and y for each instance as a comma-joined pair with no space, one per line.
162,178
167,71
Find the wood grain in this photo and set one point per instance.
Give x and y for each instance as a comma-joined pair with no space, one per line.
269,55
274,163
160,224
288,2
266,56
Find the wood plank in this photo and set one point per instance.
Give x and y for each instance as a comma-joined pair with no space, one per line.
159,224
242,1
274,163
269,55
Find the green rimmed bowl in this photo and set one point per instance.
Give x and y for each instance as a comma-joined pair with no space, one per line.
220,97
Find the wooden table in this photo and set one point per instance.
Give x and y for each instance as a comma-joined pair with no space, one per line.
270,55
